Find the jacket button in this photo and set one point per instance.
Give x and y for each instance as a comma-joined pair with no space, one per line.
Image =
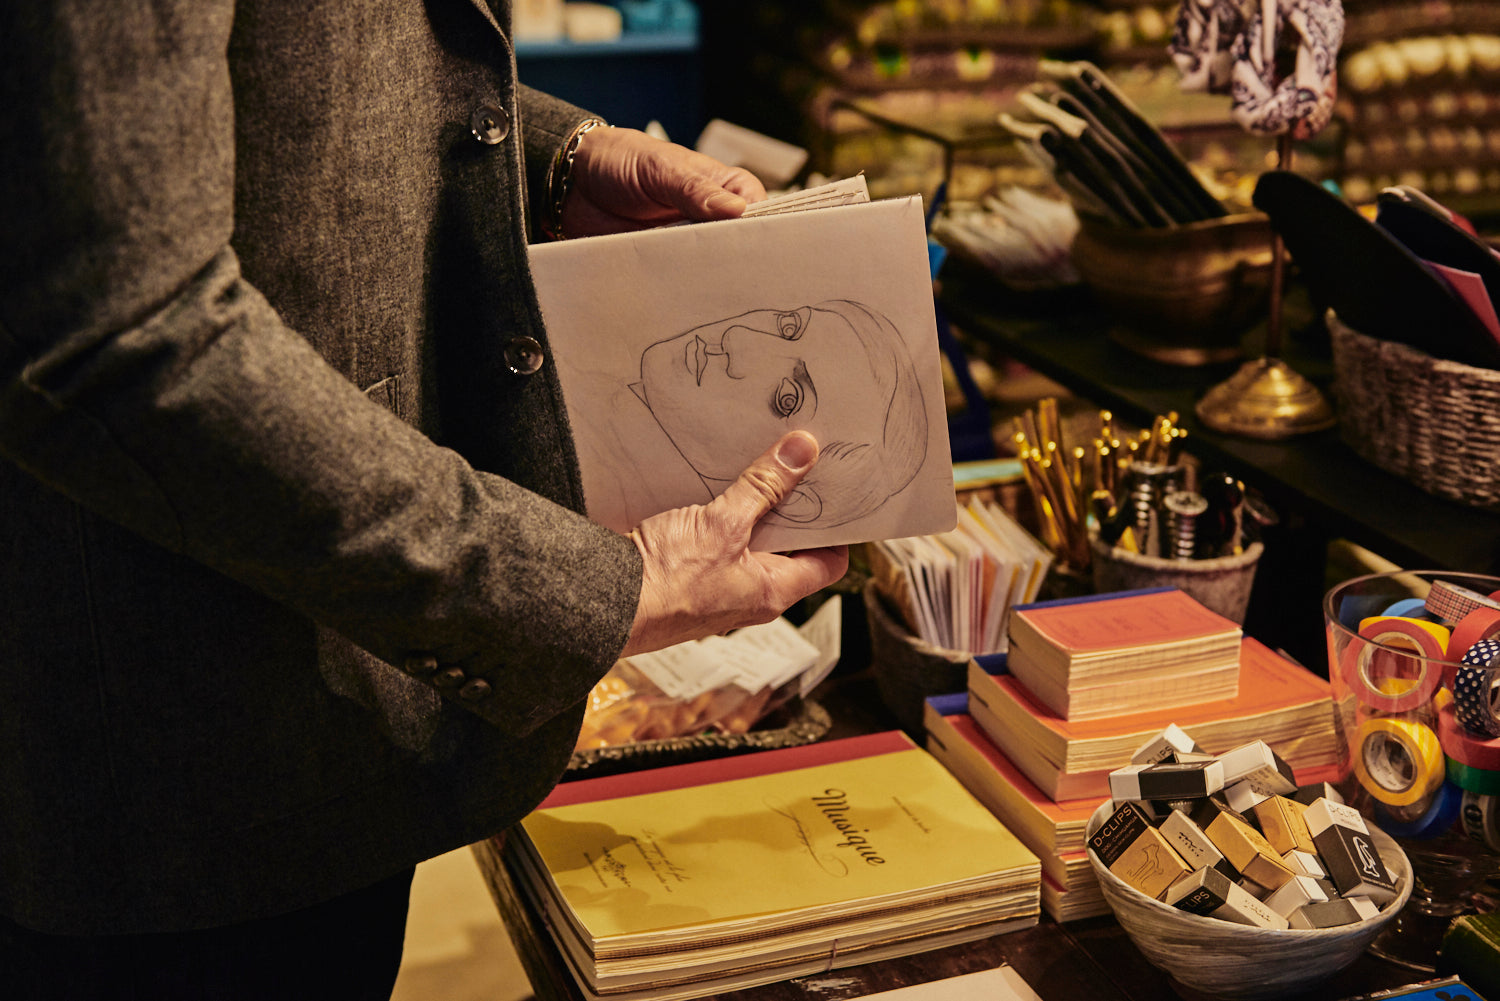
523,355
490,124
449,677
475,690
420,665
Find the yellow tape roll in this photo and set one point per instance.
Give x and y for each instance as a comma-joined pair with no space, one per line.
1398,761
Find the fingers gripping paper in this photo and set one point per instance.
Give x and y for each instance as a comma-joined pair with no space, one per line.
684,352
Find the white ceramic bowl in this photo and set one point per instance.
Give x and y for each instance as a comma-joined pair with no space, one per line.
1222,959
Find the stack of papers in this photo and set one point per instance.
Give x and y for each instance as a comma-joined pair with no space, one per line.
695,879
954,589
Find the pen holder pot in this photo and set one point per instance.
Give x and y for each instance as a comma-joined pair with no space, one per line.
1221,584
907,669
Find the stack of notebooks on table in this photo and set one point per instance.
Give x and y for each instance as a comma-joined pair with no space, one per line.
1043,773
1053,831
688,880
1149,649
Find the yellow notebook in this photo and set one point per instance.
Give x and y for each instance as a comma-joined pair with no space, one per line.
749,847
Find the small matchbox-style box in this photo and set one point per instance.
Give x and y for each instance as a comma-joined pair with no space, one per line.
1294,894
1195,847
1167,780
1247,850
1305,864
1281,822
1309,794
1164,746
1244,796
1348,851
1262,767
1332,913
1210,892
1135,851
1192,757
1210,807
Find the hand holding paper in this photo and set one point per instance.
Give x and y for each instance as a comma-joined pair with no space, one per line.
700,577
625,180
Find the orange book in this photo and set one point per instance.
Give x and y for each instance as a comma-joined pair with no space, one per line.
1104,654
1043,824
1053,831
1279,701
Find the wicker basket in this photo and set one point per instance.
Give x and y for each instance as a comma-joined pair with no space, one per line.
1222,959
1432,422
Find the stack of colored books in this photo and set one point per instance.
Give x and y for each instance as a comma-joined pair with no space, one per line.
1053,831
1150,649
1043,774
693,879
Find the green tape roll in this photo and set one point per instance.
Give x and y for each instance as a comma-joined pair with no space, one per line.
1473,779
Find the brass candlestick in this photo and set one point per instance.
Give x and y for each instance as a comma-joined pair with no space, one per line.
1267,398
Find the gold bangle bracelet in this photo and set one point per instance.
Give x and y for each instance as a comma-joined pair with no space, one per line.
560,176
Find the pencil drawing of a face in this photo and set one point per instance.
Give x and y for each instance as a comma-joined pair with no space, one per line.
725,391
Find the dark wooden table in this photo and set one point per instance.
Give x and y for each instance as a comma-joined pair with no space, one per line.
1087,960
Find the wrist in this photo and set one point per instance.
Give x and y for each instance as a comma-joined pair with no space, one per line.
560,176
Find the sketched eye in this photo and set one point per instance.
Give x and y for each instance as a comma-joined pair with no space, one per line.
795,395
789,325
787,399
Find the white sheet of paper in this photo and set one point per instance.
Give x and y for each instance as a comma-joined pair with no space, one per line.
686,351
824,629
1000,984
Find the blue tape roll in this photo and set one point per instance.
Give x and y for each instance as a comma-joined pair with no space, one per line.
1410,608
1354,608
1437,820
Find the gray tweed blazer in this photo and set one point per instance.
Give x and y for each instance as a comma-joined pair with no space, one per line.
266,430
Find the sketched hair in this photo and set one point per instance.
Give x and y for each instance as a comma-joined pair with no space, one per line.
853,478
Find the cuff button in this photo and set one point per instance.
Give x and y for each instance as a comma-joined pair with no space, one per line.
475,690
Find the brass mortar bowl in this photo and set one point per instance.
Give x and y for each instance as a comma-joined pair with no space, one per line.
1183,295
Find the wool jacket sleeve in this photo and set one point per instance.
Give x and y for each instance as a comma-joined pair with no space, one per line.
143,376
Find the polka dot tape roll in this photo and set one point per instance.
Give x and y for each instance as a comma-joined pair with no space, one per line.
1464,747
1451,602
1481,819
1475,682
1398,761
1480,624
1394,664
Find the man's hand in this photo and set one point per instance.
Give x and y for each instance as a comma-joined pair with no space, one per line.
625,180
700,577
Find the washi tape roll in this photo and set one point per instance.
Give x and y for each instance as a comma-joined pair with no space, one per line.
1408,608
1395,664
1451,602
1355,608
1437,819
1465,747
1475,682
1471,779
1398,761
1481,819
1480,624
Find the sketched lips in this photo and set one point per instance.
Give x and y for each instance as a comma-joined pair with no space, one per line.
695,356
